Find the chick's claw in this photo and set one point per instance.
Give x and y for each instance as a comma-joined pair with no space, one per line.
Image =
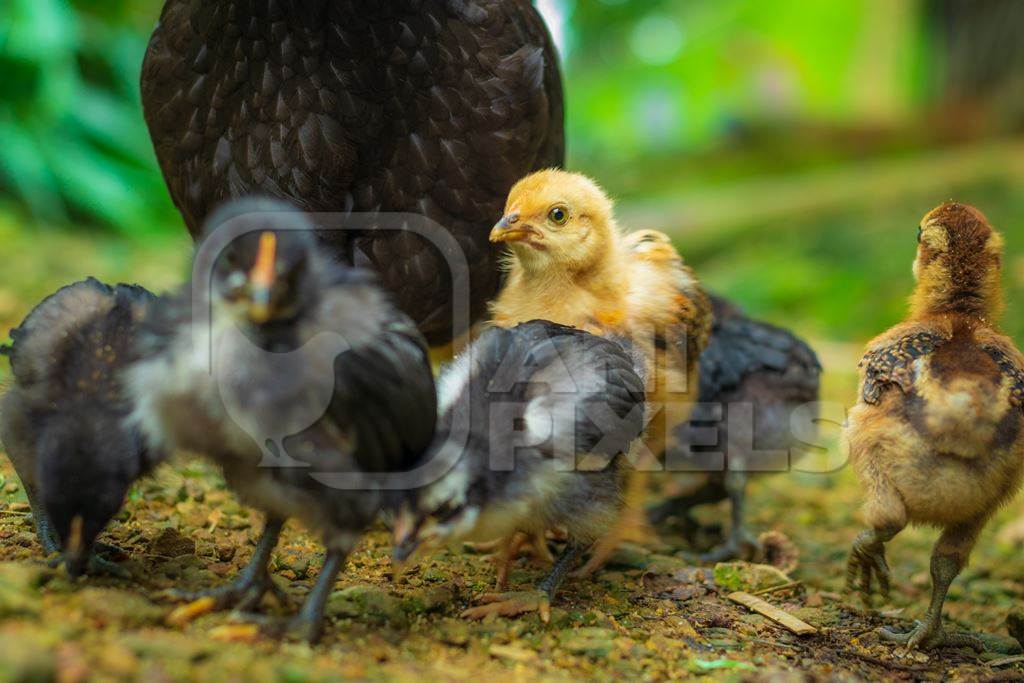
866,564
243,594
741,547
101,566
929,635
511,604
96,566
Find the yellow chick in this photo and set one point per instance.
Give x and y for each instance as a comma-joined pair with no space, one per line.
569,263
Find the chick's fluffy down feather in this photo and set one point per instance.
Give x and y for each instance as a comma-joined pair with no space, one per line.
533,419
62,419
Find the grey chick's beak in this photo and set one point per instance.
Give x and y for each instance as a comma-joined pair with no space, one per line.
511,229
261,278
76,554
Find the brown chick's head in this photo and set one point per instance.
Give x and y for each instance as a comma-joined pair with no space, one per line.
958,264
555,219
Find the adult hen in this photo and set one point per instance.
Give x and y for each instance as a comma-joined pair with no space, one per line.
231,380
533,421
62,419
434,107
936,435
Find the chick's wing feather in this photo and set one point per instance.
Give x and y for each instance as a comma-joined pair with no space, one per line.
892,365
587,386
39,342
617,396
1011,365
384,393
741,347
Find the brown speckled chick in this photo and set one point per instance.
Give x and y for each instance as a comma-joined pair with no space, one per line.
936,434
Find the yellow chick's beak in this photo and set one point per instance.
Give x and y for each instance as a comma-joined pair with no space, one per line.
510,229
261,278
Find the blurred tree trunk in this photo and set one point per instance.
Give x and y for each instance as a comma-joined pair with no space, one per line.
982,75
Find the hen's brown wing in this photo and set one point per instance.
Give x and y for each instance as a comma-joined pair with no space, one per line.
433,107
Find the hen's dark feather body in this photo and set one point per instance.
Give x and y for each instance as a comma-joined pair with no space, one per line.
434,107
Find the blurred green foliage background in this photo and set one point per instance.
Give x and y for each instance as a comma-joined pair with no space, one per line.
790,147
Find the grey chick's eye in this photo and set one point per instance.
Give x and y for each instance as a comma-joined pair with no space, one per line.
558,215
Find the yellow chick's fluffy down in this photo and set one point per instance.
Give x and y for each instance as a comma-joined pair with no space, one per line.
569,263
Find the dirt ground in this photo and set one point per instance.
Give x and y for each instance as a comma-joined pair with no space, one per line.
649,616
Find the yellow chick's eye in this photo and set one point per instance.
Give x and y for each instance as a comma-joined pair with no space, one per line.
558,215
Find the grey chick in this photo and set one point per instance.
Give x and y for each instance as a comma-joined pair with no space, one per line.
62,419
230,381
748,365
532,422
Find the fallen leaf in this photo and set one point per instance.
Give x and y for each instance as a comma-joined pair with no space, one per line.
236,633
516,654
184,614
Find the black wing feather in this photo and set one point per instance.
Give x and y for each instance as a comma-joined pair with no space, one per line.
741,347
385,393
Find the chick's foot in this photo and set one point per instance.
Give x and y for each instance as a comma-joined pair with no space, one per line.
632,525
929,635
302,627
866,565
739,546
96,566
243,594
511,604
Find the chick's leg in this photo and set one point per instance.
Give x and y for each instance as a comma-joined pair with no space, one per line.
44,528
710,492
632,525
948,559
505,557
740,544
887,515
308,624
539,600
254,581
